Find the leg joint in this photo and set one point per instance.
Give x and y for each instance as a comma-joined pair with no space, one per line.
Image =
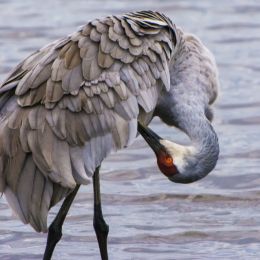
55,231
100,226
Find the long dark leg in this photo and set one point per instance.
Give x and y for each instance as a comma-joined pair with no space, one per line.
100,226
55,229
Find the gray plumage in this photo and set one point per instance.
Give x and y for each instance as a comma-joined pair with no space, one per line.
70,104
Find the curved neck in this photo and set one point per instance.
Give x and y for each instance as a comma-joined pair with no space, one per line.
203,153
188,114
194,85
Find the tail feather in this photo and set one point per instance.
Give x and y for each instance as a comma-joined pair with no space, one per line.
32,194
29,191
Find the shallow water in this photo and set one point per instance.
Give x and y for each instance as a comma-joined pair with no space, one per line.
149,217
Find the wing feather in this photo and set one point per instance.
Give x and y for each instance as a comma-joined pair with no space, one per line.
77,100
26,180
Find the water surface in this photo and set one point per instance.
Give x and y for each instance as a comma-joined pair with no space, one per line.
149,217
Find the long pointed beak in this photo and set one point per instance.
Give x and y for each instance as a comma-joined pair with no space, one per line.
151,138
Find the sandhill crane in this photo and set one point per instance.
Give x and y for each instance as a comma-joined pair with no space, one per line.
71,103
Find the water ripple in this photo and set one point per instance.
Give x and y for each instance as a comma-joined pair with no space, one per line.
150,217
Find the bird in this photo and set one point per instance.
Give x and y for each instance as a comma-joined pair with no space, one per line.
68,105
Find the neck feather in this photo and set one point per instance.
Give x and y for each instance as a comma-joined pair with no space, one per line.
197,160
194,85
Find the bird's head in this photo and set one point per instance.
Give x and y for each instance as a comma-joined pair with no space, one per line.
177,162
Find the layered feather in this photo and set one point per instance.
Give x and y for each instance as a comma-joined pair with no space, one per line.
68,105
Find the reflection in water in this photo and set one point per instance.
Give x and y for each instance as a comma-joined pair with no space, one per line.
150,217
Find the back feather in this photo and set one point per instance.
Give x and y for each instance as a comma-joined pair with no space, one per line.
70,104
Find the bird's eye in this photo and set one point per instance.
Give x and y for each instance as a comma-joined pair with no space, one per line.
168,161
166,165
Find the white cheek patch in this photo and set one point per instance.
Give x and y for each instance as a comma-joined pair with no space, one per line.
178,153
